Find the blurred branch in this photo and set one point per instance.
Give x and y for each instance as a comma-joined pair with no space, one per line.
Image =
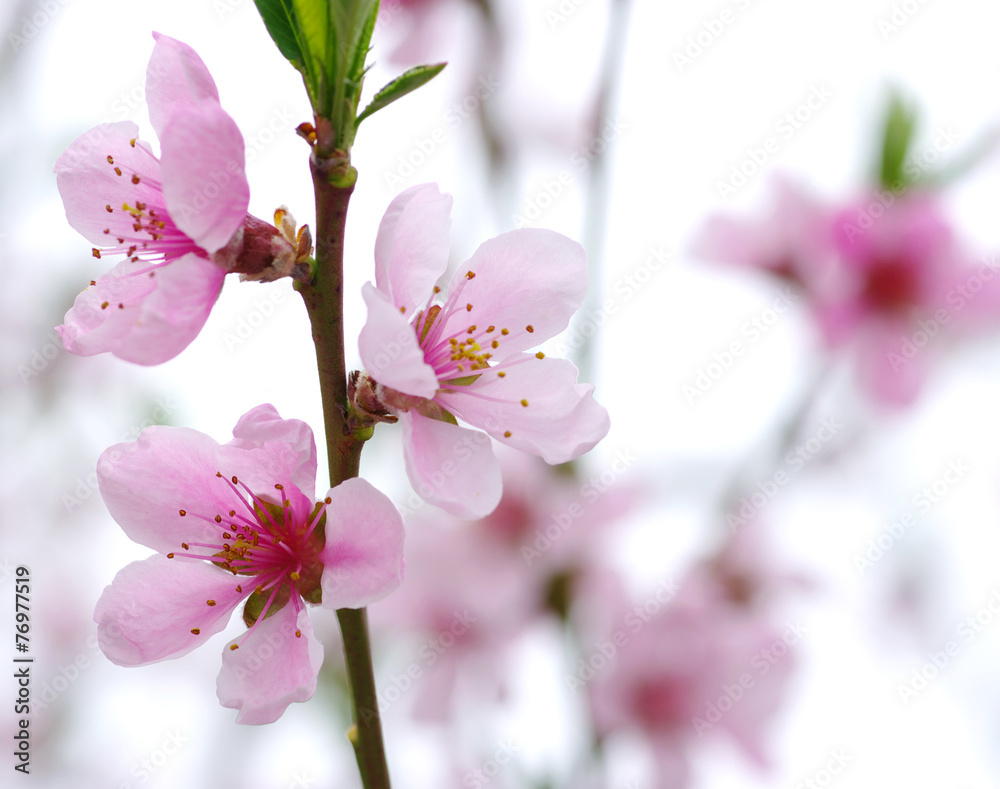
596,212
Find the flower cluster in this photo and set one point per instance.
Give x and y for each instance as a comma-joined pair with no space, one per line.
238,524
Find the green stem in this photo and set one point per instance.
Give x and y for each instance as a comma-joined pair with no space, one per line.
333,181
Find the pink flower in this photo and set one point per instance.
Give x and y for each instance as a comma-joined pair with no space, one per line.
903,282
468,356
685,669
232,523
180,220
883,275
793,241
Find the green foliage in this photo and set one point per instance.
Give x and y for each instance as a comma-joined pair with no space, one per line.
399,87
900,123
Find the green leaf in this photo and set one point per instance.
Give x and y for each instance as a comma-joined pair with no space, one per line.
399,87
279,20
362,44
900,123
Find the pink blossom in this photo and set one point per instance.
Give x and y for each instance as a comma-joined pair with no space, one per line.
180,220
792,241
239,522
682,669
468,356
883,276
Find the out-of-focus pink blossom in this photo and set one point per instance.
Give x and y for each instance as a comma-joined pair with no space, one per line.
684,667
508,571
468,356
239,522
883,275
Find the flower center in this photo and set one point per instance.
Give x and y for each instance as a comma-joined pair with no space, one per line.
891,285
268,542
147,233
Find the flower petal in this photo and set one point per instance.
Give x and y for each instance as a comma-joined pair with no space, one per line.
276,664
450,466
149,610
527,277
363,557
291,440
159,314
176,80
90,184
145,483
204,182
560,420
389,349
411,249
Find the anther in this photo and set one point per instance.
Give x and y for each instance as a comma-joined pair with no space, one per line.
132,142
234,647
182,512
135,179
195,630
111,159
104,306
185,546
218,519
524,403
495,344
506,434
470,274
529,328
96,253
118,171
504,332
501,374
279,486
210,602
170,556
468,308
539,355
108,208
298,634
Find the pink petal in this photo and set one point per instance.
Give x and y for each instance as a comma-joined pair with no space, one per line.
560,422
147,613
884,370
276,664
145,483
204,184
527,277
290,441
176,80
450,466
160,314
411,249
89,184
389,349
363,557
